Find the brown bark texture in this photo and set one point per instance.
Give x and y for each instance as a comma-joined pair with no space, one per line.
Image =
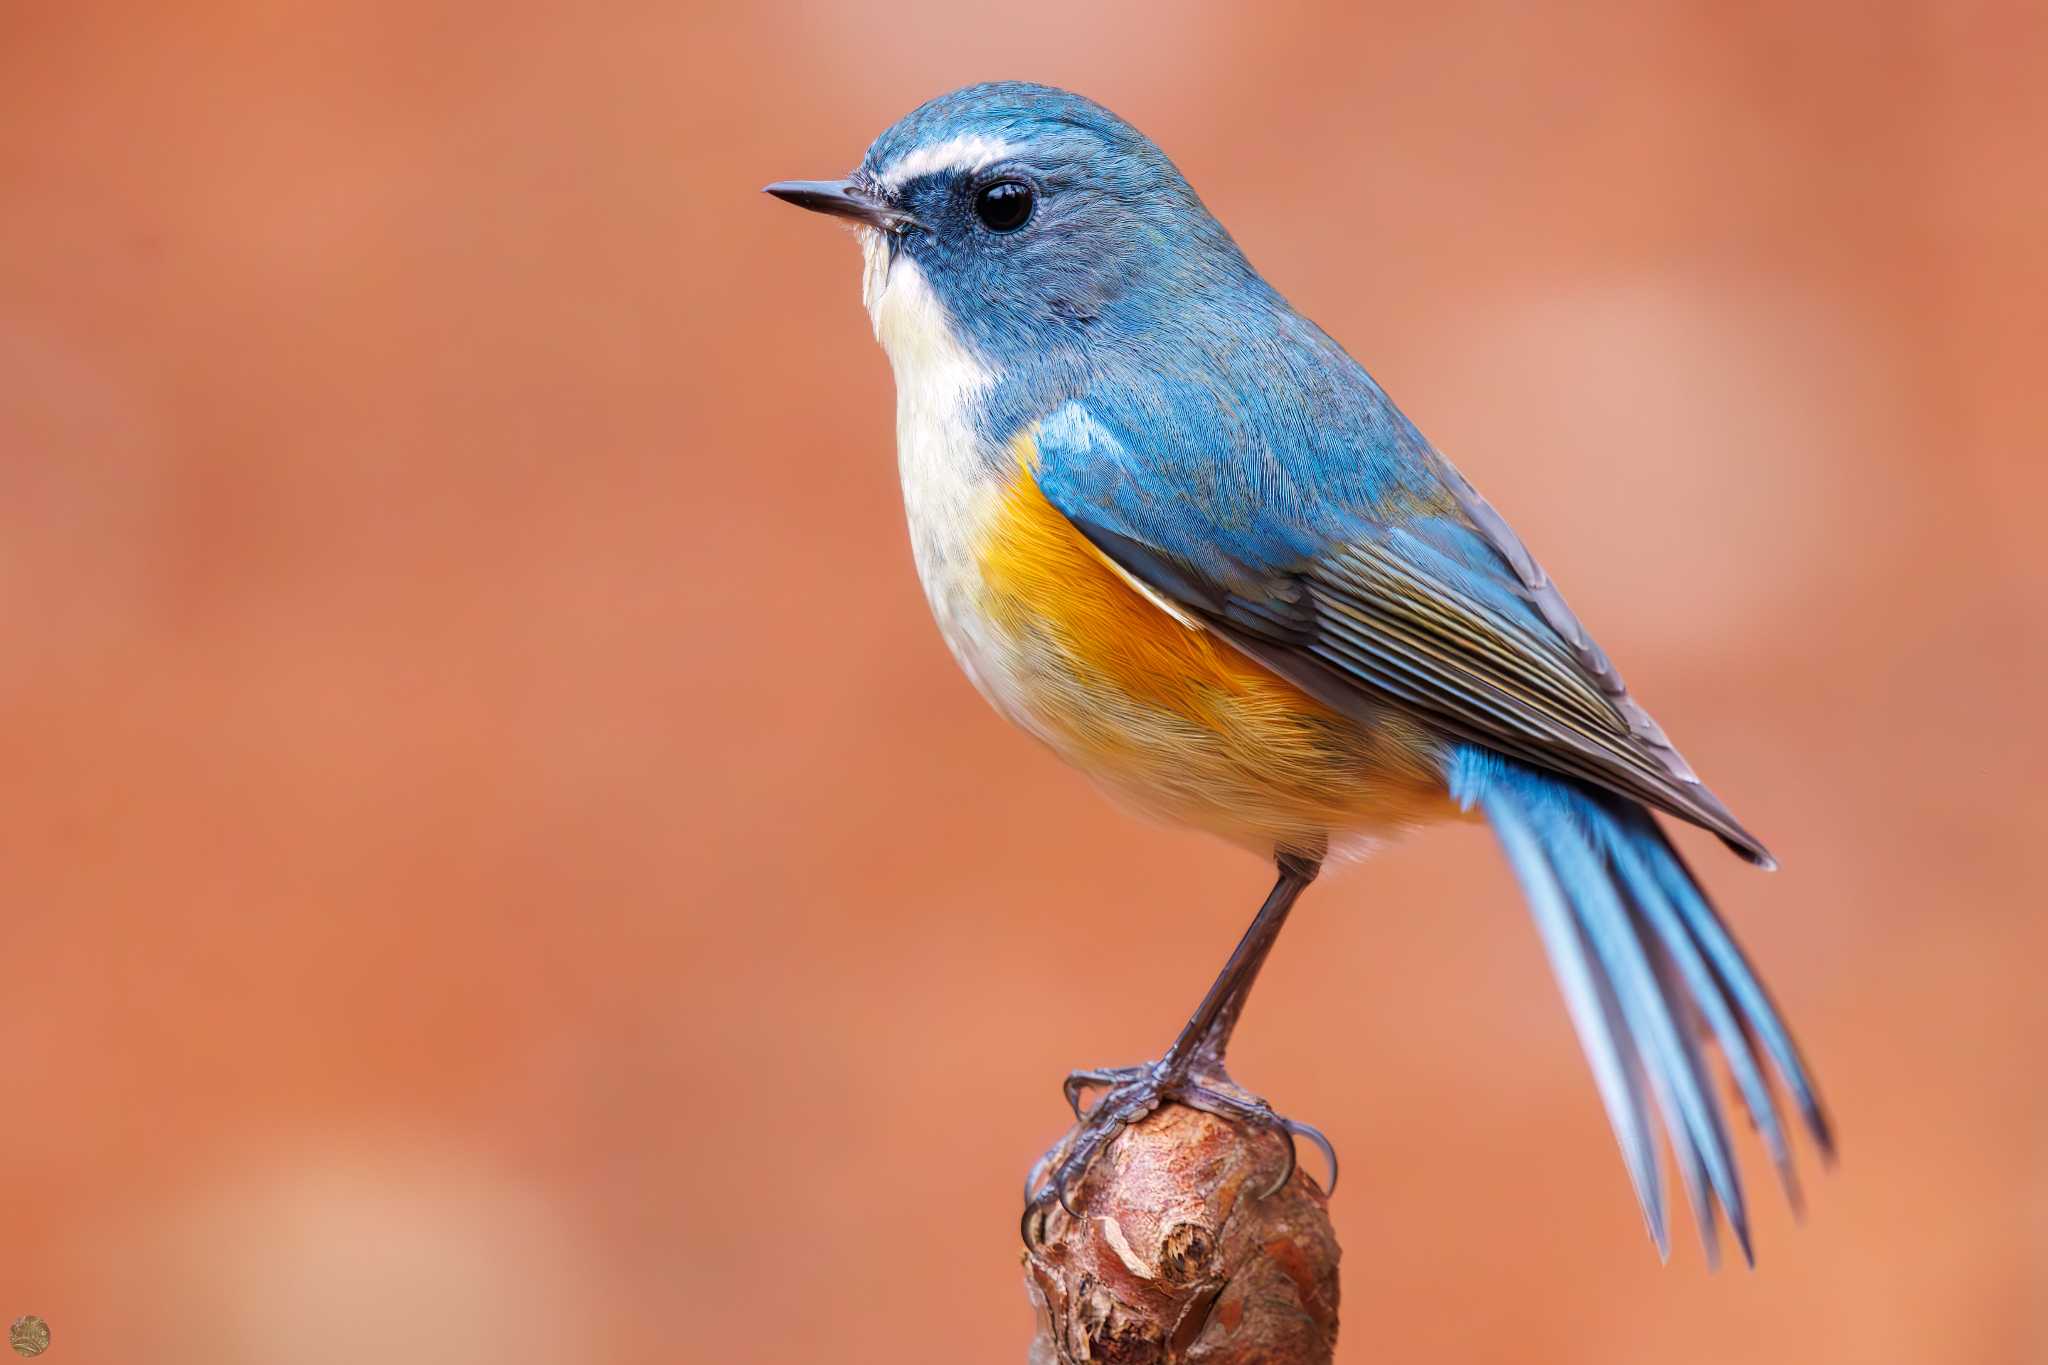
1176,1259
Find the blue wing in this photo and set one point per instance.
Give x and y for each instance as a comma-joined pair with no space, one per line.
1312,526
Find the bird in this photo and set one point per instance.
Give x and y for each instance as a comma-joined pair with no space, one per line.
1172,530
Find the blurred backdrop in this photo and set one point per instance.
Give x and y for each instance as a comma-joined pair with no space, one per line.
497,864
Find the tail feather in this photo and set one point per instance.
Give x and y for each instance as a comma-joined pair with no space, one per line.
1602,1032
1740,982
1635,843
1676,1084
1648,970
1690,1032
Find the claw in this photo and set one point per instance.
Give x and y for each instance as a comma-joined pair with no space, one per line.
1089,1078
1024,1224
1296,1128
1037,1171
1091,1143
1211,1101
1255,1114
1074,1170
1259,1115
1286,1131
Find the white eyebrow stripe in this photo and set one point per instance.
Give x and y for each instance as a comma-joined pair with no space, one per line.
967,152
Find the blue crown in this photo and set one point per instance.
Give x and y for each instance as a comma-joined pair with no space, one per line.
1012,111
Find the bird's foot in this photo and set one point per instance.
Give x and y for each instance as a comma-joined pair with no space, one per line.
1130,1094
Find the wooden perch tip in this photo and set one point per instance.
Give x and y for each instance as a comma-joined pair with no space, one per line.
1176,1260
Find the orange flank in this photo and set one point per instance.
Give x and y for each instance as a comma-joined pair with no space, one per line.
1173,719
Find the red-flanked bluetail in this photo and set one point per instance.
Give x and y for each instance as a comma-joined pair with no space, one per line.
1171,529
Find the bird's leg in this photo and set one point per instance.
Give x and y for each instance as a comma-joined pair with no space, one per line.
1191,1071
1238,975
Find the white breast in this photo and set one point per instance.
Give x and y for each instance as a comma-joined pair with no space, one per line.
950,484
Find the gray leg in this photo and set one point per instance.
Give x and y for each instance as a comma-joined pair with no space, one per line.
1191,1070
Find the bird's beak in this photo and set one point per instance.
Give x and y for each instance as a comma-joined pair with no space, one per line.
843,199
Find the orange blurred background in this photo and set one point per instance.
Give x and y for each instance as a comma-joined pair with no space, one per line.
498,865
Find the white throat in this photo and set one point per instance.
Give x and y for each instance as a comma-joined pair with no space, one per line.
938,376
950,483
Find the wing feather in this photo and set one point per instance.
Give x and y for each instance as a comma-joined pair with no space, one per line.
1394,607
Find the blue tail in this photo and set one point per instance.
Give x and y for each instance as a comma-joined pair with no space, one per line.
1647,970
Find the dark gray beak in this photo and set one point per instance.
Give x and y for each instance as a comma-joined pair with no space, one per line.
843,199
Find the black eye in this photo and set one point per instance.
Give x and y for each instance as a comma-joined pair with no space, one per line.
1003,206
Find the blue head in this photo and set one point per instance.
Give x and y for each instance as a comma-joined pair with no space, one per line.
1042,224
